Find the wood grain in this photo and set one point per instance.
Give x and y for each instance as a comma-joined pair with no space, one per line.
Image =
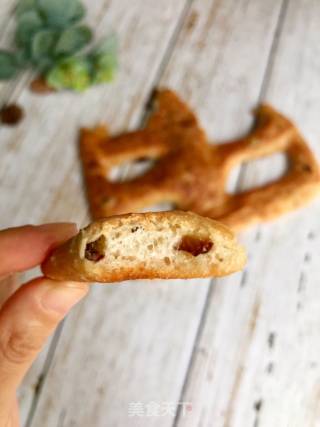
255,336
39,162
265,372
138,338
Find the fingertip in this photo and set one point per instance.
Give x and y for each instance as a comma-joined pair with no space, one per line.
60,297
45,300
25,247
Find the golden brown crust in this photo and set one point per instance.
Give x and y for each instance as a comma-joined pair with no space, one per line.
165,245
192,174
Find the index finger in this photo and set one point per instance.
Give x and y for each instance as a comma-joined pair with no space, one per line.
25,247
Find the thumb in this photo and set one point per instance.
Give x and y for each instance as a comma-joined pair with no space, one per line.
26,321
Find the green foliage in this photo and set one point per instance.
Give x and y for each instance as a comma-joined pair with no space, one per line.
8,65
49,38
43,44
108,45
24,6
73,39
104,60
71,73
22,58
29,23
78,13
60,13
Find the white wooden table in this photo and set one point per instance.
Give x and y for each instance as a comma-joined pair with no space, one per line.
239,352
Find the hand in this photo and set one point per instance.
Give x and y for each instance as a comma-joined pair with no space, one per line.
31,314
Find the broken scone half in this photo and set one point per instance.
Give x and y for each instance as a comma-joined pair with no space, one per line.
164,245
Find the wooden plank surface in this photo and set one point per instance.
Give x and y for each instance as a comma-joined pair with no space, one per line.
39,163
257,359
133,343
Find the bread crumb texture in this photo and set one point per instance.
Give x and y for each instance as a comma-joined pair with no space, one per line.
150,245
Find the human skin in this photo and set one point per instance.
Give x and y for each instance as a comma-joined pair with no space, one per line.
29,315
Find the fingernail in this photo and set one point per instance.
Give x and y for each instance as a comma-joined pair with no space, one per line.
62,297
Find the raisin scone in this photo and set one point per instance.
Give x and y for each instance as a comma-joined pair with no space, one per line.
164,245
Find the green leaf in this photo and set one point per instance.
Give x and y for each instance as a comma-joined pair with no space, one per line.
108,45
71,73
104,60
25,6
78,13
28,24
73,39
8,67
43,65
43,45
60,13
22,57
105,69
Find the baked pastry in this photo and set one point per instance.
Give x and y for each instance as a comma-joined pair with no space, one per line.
166,245
190,173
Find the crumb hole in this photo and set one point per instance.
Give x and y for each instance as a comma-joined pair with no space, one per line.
92,164
306,168
108,201
194,245
187,122
95,251
150,247
167,260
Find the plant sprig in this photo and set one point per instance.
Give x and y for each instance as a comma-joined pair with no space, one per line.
51,39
